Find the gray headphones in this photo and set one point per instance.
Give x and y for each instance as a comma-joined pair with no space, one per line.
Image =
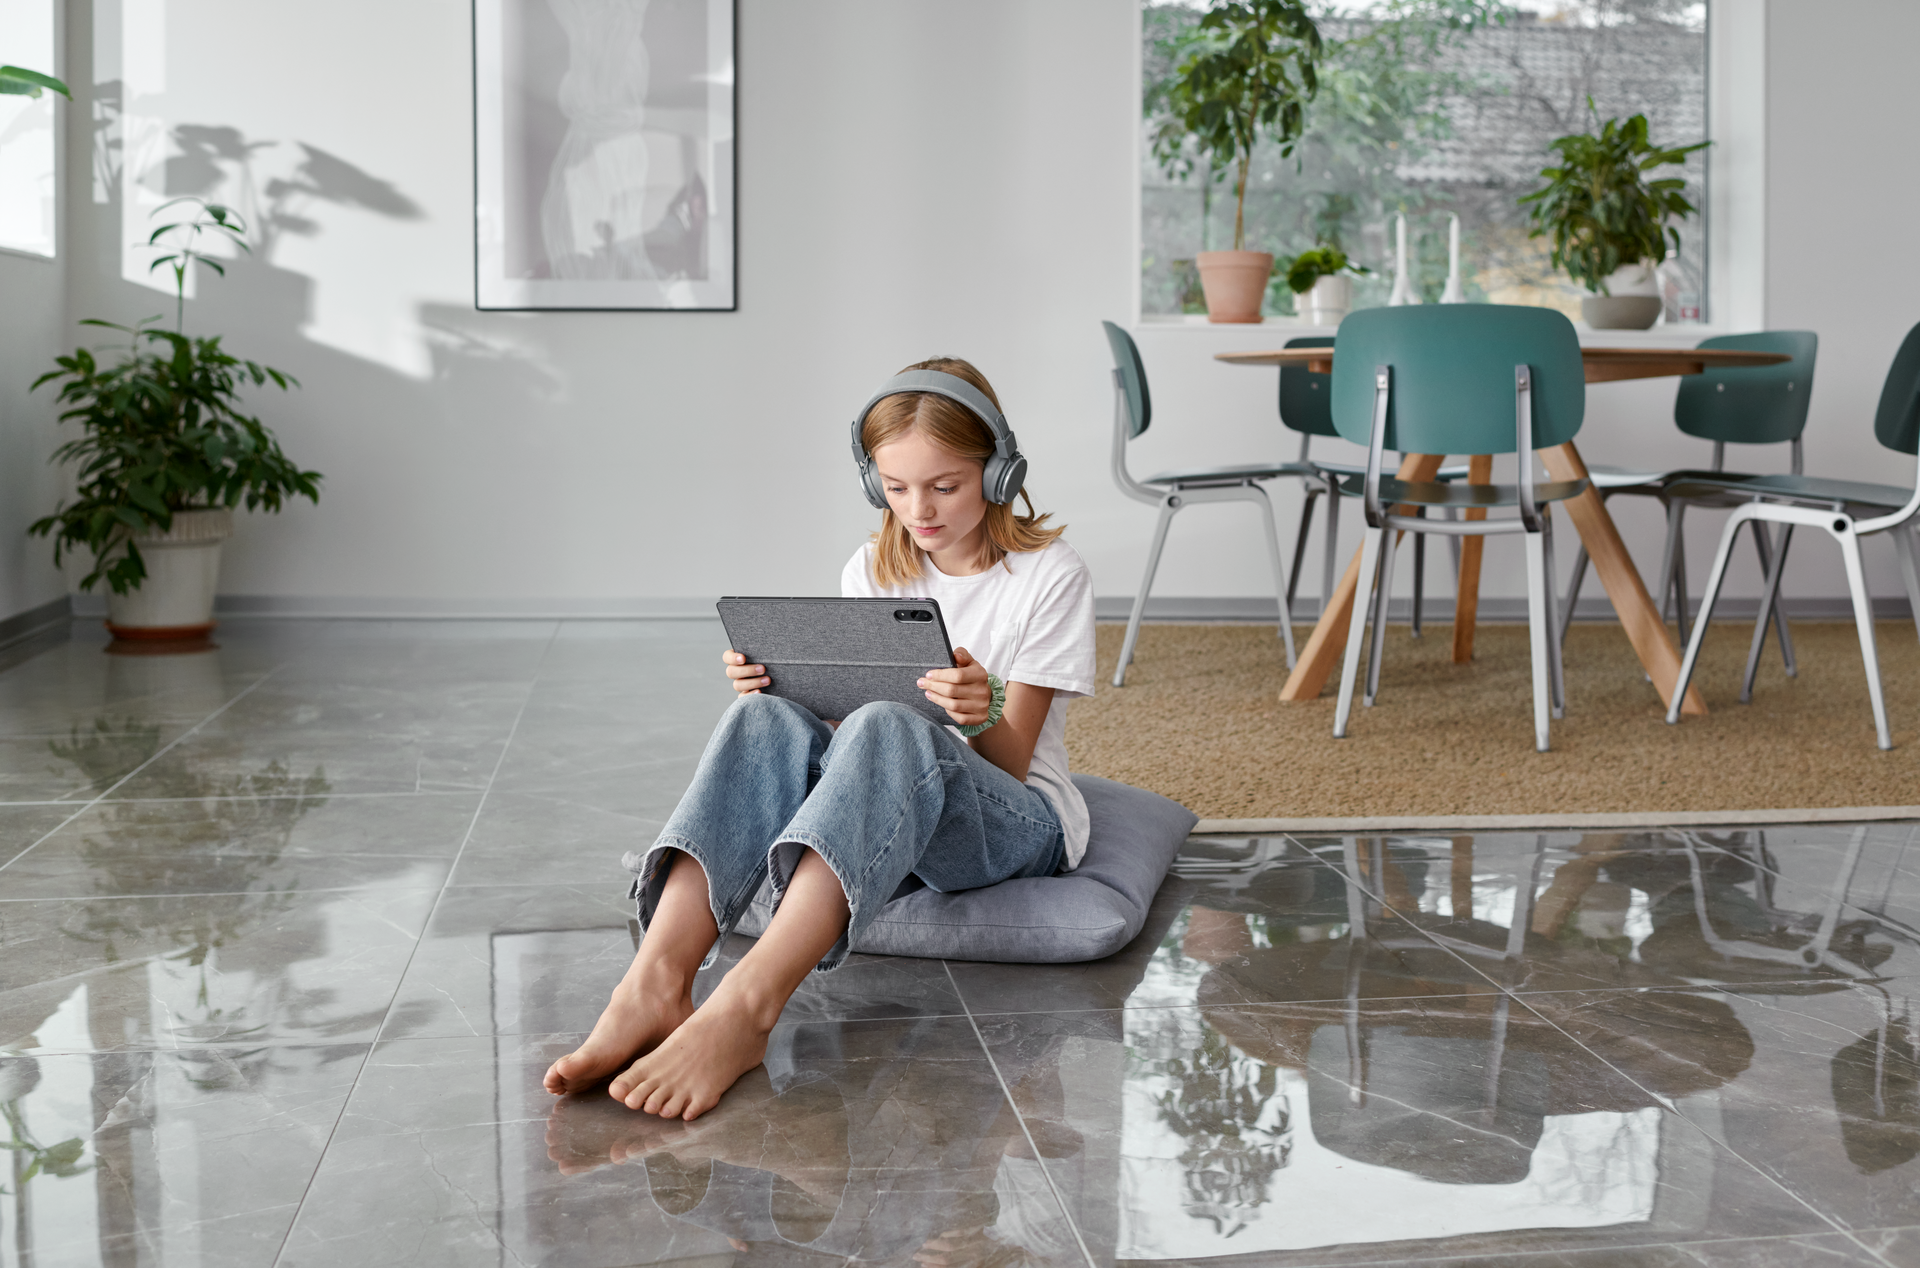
1006,468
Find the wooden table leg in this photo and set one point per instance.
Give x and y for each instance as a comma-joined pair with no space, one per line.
1329,638
1639,617
1466,599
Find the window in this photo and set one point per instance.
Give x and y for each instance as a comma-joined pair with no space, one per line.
27,143
1435,108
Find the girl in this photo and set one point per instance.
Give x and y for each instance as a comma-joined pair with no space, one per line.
841,812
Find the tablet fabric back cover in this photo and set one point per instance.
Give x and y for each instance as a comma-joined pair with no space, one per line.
831,656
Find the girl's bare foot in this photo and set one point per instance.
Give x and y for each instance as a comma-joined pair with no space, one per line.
636,1020
687,1073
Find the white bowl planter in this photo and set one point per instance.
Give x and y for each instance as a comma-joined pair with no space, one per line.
1632,301
1328,302
183,571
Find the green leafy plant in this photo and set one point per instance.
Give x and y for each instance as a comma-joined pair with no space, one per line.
182,237
1309,267
1600,207
18,81
1248,71
163,428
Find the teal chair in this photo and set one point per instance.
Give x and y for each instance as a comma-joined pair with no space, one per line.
1172,491
1846,510
1306,407
1458,379
1754,405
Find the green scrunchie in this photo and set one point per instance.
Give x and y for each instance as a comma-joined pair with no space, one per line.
993,710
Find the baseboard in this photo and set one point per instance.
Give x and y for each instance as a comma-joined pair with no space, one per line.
33,620
1176,608
1493,611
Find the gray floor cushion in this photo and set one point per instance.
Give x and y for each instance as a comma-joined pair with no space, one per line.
1086,914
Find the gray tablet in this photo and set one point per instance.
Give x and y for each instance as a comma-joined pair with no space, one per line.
834,655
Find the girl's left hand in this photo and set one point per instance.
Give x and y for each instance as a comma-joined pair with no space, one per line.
962,691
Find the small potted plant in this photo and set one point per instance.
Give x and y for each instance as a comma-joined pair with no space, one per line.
1324,276
1248,73
1610,224
164,455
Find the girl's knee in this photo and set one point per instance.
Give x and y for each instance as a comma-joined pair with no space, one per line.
885,716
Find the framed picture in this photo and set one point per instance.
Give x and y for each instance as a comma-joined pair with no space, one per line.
603,154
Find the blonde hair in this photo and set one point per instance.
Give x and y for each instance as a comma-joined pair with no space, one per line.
897,558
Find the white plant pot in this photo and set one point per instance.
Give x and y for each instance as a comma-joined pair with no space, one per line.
1632,303
1330,300
183,572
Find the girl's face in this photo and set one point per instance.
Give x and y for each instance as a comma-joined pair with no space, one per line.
936,494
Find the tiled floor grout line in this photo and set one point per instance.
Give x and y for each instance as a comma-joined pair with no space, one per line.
1020,1118
162,752
1663,1101
533,682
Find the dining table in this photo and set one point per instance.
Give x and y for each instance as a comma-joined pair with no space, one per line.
1639,615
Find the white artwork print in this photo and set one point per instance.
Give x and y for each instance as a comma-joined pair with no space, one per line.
604,153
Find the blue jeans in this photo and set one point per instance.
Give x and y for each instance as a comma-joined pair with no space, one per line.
887,795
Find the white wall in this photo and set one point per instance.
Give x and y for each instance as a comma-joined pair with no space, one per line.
33,295
915,178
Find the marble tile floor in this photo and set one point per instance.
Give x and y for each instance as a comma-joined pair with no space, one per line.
289,930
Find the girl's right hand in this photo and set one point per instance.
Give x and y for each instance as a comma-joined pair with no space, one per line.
747,679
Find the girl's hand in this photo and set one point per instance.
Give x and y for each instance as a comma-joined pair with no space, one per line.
747,679
962,691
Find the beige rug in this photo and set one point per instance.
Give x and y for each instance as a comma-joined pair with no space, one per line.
1447,745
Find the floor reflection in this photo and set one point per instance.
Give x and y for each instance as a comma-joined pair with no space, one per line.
281,964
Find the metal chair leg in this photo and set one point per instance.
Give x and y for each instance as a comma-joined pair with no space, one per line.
1555,635
1382,595
1907,549
1330,575
1280,586
1763,546
1699,634
1167,510
1419,573
1300,546
1539,628
1769,607
1863,621
1673,577
1577,579
1356,630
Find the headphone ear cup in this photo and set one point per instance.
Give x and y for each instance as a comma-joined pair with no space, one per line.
870,485
1005,478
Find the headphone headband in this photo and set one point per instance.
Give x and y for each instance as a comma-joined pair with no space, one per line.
1004,472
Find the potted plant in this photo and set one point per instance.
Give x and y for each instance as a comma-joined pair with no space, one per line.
1323,275
1610,224
165,454
1249,73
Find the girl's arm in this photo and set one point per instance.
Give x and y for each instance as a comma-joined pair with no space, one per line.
1009,742
964,693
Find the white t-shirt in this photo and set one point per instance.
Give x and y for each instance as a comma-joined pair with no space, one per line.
1027,619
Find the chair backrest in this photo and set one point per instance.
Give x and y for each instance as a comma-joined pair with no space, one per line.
1453,380
1306,398
1133,378
1897,421
1751,405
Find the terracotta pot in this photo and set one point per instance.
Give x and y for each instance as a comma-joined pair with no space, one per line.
183,570
1235,282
